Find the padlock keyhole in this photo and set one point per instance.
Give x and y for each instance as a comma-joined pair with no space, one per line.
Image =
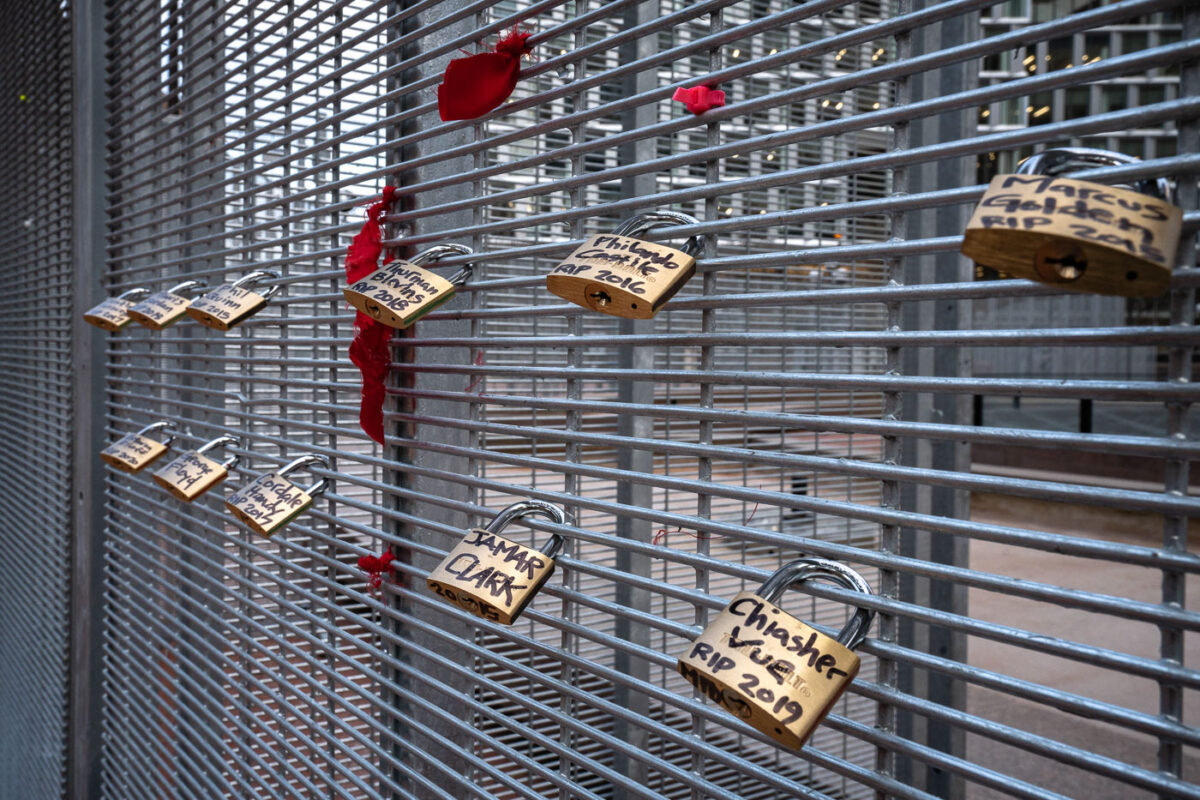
1060,262
600,297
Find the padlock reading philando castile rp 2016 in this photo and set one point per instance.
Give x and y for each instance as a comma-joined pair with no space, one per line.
764,666
494,577
403,292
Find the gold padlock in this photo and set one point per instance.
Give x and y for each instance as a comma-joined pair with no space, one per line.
193,474
136,451
402,292
113,313
616,274
1087,237
163,309
493,577
232,303
770,669
268,503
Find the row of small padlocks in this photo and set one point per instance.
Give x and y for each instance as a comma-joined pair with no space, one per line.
1033,224
755,660
265,505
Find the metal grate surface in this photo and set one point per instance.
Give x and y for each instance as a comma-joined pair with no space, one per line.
810,390
36,319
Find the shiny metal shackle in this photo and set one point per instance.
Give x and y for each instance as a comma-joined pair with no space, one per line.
528,508
230,462
660,219
258,276
131,294
190,284
303,461
801,570
161,425
439,251
1062,161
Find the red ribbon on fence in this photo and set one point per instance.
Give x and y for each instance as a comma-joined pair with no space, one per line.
473,86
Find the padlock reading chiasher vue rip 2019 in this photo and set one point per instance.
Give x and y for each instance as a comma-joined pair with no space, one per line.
193,473
403,291
136,451
494,577
616,274
1083,236
271,501
768,668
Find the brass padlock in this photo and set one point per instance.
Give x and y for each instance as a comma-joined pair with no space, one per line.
193,474
616,274
232,303
136,451
493,577
113,313
268,503
1083,236
402,292
770,669
163,309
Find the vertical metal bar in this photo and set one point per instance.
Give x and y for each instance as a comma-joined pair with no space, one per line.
1179,369
87,346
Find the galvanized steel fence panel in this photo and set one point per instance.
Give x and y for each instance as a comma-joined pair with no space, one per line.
811,391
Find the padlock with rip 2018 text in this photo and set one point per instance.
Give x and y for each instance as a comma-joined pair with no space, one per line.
402,292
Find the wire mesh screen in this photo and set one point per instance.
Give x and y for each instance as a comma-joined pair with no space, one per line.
35,425
811,390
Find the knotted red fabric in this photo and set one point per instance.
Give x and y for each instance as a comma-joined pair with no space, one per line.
370,351
375,566
475,85
698,99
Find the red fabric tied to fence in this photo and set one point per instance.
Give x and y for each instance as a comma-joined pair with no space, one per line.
473,86
370,350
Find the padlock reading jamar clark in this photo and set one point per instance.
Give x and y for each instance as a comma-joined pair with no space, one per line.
193,473
1078,235
136,451
113,314
270,502
403,291
768,668
233,303
616,274
163,309
494,577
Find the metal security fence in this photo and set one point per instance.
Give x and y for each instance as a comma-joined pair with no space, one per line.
836,380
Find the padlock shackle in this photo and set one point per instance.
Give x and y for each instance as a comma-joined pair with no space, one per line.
230,462
439,251
796,573
303,461
136,292
529,508
1062,161
660,219
257,276
161,425
181,287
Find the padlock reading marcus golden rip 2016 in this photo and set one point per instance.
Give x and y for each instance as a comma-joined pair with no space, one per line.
113,313
614,273
163,309
193,473
493,577
136,451
233,303
1087,237
770,669
270,502
402,292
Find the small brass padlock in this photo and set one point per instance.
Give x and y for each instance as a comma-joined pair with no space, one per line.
136,451
493,577
627,277
770,669
1087,237
163,309
231,304
268,503
193,474
113,313
402,292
